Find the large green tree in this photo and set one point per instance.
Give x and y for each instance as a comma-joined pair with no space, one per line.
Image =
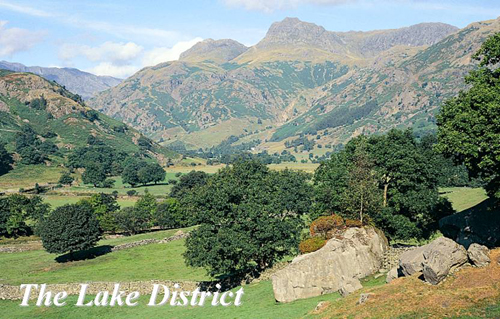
94,174
469,124
405,173
250,217
70,228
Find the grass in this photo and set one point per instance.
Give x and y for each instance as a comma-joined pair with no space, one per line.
59,200
463,198
28,176
154,261
162,189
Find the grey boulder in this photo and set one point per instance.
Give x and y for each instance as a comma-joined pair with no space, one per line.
412,261
392,274
441,256
479,255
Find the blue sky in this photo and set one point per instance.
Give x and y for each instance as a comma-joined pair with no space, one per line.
118,38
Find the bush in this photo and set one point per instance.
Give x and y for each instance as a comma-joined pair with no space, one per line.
353,223
131,220
108,183
131,192
70,228
168,215
311,244
325,224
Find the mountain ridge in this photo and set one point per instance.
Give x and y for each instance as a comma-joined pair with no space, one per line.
274,92
80,82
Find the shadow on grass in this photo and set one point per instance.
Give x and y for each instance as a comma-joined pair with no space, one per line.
85,254
478,224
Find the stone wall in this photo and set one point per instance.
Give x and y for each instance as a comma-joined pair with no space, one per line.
37,245
392,256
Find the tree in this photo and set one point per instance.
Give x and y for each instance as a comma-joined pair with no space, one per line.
18,211
70,228
130,171
188,182
168,215
469,125
362,195
27,145
94,174
394,170
330,183
409,179
104,207
250,217
5,160
157,173
66,179
131,220
146,206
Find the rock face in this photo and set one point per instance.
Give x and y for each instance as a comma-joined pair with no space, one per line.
434,260
337,266
479,255
440,256
412,261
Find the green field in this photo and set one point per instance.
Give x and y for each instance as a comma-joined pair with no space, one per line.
463,198
155,261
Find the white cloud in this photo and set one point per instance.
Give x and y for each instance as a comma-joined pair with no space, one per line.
107,52
162,54
118,71
269,6
122,59
13,40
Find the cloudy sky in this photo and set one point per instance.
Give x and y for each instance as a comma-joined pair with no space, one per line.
119,37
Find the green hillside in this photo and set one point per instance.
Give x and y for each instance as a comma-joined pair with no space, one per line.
59,116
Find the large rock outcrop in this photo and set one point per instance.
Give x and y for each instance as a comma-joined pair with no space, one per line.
337,266
434,260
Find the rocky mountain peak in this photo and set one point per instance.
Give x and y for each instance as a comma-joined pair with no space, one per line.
292,31
214,50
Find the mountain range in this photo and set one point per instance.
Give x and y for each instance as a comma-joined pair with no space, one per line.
299,79
82,83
